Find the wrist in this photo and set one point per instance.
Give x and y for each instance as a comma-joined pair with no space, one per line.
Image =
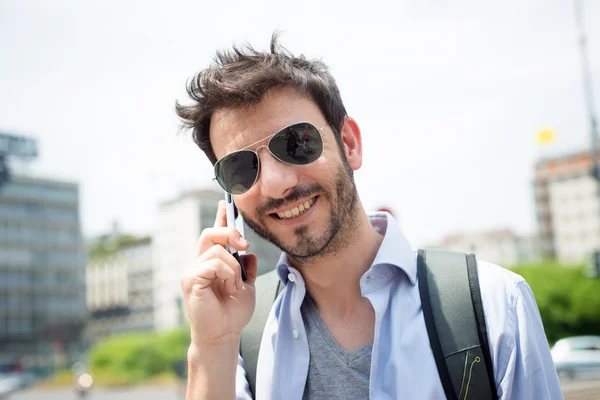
224,341
217,350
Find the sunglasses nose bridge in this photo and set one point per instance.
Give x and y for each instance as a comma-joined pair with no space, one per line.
276,178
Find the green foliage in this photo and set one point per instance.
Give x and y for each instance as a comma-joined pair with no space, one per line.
109,246
135,358
569,302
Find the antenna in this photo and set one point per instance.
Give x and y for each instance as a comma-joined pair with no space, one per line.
20,147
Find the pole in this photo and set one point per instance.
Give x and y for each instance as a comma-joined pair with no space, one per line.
588,88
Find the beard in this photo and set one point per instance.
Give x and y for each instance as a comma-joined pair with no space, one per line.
341,226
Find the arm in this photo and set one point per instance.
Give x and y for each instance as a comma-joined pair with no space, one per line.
211,377
219,305
530,372
212,370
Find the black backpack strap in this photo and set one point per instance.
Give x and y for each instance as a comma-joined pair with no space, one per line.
267,287
453,312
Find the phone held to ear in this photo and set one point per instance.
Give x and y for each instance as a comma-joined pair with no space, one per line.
231,216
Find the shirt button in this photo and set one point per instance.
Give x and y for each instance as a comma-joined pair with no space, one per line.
295,333
291,277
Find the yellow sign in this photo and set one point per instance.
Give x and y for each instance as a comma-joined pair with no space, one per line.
545,136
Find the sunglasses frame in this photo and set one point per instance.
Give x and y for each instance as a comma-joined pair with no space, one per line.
255,151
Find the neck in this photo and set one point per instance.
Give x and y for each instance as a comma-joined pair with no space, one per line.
333,281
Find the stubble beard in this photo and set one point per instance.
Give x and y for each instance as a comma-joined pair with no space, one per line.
341,227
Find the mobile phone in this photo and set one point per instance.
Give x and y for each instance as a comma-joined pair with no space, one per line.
231,216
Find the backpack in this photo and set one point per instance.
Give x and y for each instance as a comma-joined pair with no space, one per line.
453,312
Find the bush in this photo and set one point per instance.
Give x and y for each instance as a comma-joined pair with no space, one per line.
569,302
134,358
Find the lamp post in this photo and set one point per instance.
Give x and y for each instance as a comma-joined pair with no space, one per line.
588,89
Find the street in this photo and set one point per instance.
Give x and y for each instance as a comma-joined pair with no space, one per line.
581,389
573,390
147,393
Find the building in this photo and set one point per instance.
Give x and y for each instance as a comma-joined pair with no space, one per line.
567,207
42,273
501,247
180,223
120,292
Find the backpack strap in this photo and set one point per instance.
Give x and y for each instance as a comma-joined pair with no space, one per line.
453,312
267,288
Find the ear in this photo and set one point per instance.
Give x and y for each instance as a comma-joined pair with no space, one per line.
352,143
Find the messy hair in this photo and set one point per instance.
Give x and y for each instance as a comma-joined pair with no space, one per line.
241,77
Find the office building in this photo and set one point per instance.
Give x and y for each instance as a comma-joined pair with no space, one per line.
120,293
42,267
567,207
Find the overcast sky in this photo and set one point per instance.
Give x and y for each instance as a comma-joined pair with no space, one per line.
448,94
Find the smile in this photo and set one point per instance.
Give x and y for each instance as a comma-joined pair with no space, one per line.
296,211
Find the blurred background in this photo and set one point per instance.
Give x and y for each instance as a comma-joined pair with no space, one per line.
478,135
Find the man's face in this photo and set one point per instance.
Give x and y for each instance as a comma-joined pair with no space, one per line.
325,188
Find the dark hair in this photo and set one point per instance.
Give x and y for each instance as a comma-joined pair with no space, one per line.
241,77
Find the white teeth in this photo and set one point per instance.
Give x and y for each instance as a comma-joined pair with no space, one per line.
294,212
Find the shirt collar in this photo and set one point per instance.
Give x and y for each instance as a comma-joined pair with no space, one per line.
395,249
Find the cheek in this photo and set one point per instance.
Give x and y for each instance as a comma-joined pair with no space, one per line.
324,169
244,204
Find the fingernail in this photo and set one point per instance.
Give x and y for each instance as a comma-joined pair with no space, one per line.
240,282
243,241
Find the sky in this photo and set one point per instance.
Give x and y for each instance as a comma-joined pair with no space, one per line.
448,96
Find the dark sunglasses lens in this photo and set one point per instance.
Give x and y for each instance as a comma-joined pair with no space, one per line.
236,172
298,144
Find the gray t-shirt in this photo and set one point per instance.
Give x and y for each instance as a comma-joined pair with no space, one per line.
333,373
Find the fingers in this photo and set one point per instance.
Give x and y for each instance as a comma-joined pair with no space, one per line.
205,273
219,252
222,236
218,264
221,219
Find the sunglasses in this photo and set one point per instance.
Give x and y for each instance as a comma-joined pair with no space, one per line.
297,144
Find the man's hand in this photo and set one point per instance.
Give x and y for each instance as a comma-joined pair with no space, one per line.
218,303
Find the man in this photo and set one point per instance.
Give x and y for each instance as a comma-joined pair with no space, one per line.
348,323
292,141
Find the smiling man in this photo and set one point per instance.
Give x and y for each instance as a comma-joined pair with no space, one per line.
349,322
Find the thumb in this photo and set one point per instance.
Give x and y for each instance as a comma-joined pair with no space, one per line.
251,266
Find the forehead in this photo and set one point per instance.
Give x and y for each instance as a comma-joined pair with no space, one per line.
233,129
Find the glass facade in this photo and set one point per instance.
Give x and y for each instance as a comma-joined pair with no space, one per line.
42,267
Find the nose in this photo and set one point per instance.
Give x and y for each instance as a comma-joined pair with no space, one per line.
276,178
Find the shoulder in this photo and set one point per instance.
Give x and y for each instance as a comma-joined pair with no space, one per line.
523,366
499,285
501,292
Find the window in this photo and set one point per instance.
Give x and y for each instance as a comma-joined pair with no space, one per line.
15,257
40,193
